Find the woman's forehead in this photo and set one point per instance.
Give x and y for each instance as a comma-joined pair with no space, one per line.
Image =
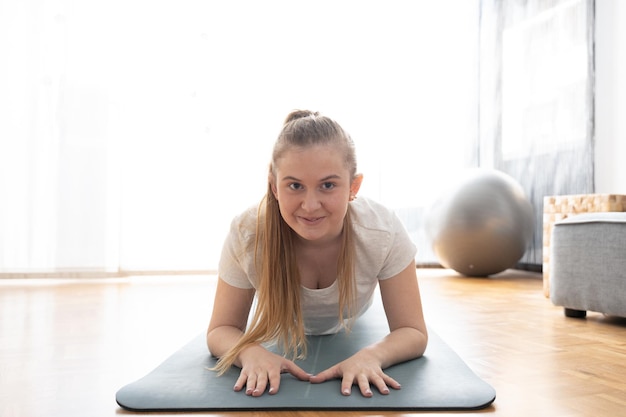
320,161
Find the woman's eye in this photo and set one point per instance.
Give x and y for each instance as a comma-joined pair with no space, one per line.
328,186
295,186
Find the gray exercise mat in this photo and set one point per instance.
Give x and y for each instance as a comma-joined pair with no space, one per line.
440,380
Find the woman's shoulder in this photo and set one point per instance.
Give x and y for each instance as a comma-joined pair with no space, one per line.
244,224
383,244
371,214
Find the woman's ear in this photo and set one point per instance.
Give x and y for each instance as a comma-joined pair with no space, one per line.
356,184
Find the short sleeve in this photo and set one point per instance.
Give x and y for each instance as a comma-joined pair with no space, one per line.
384,247
236,265
402,250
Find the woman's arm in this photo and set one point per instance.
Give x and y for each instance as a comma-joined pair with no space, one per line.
403,306
260,368
229,318
406,340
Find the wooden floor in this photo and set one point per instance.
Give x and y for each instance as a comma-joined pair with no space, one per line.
66,347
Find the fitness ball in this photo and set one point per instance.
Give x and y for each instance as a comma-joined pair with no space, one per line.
482,225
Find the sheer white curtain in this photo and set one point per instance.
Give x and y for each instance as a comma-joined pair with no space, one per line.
131,132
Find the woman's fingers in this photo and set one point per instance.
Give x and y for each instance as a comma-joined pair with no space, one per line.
330,373
257,388
382,383
255,383
260,379
390,382
366,380
364,385
241,381
296,371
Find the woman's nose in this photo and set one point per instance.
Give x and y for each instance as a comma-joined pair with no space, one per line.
311,201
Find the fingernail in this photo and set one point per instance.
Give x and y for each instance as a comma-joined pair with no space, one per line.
368,392
346,392
271,391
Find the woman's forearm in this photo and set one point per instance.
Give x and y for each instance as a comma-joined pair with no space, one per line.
400,345
221,339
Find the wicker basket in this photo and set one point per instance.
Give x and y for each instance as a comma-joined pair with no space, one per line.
556,208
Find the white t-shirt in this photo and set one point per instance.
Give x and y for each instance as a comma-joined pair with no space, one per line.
383,249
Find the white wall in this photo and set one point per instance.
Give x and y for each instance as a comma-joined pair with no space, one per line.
610,110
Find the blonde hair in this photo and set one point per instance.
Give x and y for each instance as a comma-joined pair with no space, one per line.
278,314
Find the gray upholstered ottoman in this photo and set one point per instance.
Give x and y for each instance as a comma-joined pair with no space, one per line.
588,264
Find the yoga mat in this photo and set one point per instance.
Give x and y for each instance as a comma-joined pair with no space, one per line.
439,380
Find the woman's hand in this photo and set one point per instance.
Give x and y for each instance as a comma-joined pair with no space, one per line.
407,339
261,369
362,369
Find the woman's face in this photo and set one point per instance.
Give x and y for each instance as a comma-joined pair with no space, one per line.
313,188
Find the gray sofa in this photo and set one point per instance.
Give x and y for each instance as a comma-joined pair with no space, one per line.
588,264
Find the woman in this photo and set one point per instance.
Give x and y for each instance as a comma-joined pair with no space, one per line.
313,253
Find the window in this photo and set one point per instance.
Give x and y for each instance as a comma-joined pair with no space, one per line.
131,133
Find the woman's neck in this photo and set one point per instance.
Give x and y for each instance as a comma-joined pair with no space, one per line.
317,263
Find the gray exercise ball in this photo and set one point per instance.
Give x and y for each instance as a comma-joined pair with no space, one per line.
482,225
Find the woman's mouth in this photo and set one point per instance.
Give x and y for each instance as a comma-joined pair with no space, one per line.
311,220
